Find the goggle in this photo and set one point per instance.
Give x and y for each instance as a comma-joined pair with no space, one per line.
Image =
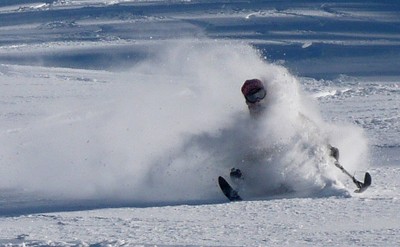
257,96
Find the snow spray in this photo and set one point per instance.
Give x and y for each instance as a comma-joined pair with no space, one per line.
164,130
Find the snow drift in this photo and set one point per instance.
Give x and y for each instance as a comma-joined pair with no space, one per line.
165,129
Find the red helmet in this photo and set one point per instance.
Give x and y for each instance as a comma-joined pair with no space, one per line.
253,90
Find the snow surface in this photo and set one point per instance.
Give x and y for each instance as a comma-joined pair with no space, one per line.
117,117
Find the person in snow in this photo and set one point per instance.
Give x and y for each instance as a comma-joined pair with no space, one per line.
255,94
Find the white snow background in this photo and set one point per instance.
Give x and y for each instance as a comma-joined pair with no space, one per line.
117,117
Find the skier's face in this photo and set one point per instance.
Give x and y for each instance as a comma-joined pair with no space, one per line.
256,102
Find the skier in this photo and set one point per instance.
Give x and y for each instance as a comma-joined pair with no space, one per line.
255,94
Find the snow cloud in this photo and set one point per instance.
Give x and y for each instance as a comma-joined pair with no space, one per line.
165,129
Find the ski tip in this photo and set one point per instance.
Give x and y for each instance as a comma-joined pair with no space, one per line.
367,179
367,182
222,182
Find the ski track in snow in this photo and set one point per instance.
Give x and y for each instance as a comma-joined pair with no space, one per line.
74,74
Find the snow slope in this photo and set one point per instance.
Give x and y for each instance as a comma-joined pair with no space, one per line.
359,221
116,118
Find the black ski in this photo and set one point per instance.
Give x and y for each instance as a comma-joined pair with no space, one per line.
228,191
360,185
